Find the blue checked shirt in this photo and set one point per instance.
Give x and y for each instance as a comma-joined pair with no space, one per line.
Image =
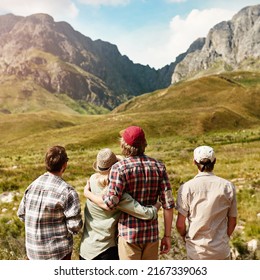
51,211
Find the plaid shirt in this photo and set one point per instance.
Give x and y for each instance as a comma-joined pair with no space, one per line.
145,179
50,209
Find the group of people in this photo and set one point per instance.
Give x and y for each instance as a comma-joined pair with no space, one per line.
123,198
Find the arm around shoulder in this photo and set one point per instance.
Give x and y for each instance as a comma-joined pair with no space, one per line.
132,207
98,200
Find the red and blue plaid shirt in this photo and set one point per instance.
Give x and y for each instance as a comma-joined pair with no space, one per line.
146,180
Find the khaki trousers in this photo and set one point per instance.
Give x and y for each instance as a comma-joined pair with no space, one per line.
227,258
131,251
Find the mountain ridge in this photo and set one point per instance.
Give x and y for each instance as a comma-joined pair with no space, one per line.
109,78
38,49
48,60
227,47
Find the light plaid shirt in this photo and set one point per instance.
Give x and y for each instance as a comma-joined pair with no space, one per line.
51,211
146,180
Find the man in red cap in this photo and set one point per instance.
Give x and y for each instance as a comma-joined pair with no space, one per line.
146,180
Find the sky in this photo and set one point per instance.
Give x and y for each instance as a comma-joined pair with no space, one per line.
149,32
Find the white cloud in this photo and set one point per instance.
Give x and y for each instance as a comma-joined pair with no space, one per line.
159,46
197,24
156,45
104,2
59,9
145,45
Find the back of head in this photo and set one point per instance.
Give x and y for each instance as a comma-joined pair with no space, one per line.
133,141
105,159
204,157
55,158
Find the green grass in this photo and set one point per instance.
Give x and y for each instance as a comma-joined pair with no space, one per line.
175,120
23,94
81,107
237,161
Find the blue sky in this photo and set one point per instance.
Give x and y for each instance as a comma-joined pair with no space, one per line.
150,32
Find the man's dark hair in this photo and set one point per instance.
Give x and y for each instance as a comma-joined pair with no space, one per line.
55,158
205,165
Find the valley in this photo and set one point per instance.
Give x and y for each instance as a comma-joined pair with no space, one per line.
220,110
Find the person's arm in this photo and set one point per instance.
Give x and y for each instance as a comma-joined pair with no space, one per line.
167,200
97,199
127,204
166,240
115,188
72,213
181,225
232,221
21,210
232,213
132,207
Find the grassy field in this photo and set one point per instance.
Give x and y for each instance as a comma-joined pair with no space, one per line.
175,122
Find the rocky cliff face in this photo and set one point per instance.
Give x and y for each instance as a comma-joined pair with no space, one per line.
229,45
62,60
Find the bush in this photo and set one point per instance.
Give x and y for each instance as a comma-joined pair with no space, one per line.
11,239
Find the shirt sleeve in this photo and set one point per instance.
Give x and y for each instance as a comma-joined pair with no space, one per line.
73,213
130,206
21,210
233,208
166,197
182,205
115,188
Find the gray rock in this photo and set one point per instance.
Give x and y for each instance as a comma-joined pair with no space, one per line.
229,45
62,60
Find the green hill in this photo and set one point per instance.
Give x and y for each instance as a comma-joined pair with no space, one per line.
221,111
222,102
25,96
227,102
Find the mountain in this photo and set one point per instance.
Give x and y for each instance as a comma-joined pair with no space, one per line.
229,45
54,58
191,109
216,110
47,65
228,101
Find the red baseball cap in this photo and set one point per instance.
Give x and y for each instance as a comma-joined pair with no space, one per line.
134,136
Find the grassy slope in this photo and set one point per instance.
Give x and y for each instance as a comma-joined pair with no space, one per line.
214,111
23,95
234,96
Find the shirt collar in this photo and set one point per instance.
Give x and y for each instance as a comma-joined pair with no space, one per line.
202,174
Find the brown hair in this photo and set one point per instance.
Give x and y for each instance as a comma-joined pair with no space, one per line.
205,165
55,158
128,150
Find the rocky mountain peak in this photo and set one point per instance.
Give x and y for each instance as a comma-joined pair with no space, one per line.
227,46
62,60
7,22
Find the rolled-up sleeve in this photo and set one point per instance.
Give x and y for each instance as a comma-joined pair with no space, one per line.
233,207
166,197
21,210
115,188
73,213
182,204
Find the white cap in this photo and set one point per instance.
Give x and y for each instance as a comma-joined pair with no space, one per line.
204,152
